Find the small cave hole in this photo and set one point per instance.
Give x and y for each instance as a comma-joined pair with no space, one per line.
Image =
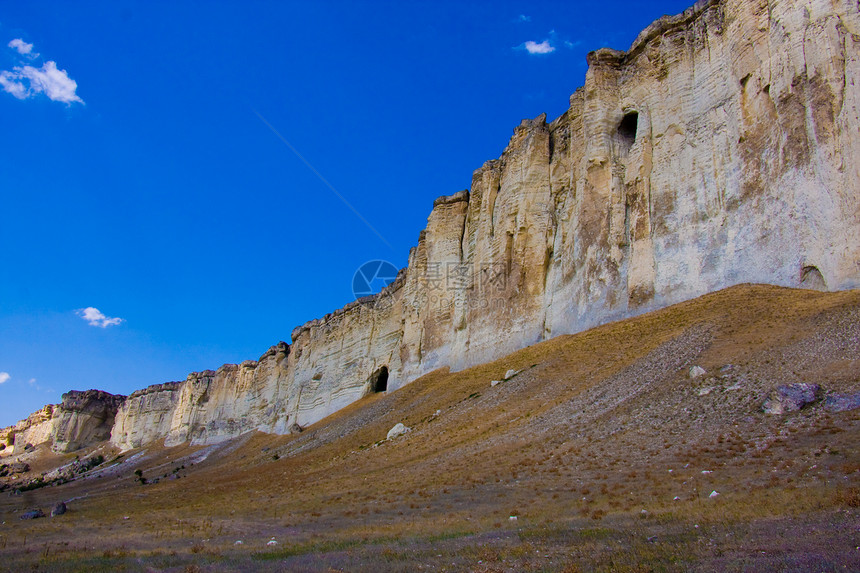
628,127
811,278
379,380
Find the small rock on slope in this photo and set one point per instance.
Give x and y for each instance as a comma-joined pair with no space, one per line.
791,398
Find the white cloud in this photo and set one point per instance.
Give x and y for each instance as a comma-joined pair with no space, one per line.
10,84
524,18
4,376
541,48
31,381
23,48
95,317
26,81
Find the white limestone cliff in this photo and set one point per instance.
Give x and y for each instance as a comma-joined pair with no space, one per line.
34,430
720,149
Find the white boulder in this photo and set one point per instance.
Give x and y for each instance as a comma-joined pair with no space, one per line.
398,430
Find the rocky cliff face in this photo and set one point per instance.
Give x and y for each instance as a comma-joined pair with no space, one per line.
83,419
209,406
35,429
720,149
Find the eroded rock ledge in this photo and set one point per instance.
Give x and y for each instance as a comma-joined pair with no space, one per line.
718,150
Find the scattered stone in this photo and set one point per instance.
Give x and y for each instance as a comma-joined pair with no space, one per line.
705,391
511,373
676,498
791,398
296,429
58,509
238,542
19,468
512,518
495,383
652,539
707,472
398,430
714,494
696,372
35,514
272,542
842,402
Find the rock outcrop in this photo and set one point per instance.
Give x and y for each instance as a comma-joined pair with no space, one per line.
791,398
210,406
83,419
718,150
35,429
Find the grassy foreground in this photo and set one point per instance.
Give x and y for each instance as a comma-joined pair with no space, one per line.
601,454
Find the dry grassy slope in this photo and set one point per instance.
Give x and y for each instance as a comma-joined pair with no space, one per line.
587,431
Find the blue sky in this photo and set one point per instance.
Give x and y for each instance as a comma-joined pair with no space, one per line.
153,222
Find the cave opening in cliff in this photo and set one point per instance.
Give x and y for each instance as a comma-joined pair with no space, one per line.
628,127
379,380
811,278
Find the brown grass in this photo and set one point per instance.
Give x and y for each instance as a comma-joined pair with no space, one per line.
576,447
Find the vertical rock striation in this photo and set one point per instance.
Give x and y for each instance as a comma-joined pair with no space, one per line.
720,149
83,419
34,430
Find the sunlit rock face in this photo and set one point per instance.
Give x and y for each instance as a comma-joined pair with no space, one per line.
716,151
720,149
83,419
209,406
34,430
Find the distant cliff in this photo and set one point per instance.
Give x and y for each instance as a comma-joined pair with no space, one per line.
720,149
80,420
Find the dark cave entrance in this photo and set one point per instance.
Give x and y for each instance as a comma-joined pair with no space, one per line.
811,278
627,129
379,380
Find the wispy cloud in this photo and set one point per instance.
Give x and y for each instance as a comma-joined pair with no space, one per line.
524,18
31,381
571,45
538,48
95,317
4,377
26,81
23,48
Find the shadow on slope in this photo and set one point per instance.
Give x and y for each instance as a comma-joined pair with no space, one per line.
601,438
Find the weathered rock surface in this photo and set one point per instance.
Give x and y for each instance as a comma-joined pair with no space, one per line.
697,372
210,406
719,149
791,398
842,402
35,429
14,468
83,419
398,430
34,514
